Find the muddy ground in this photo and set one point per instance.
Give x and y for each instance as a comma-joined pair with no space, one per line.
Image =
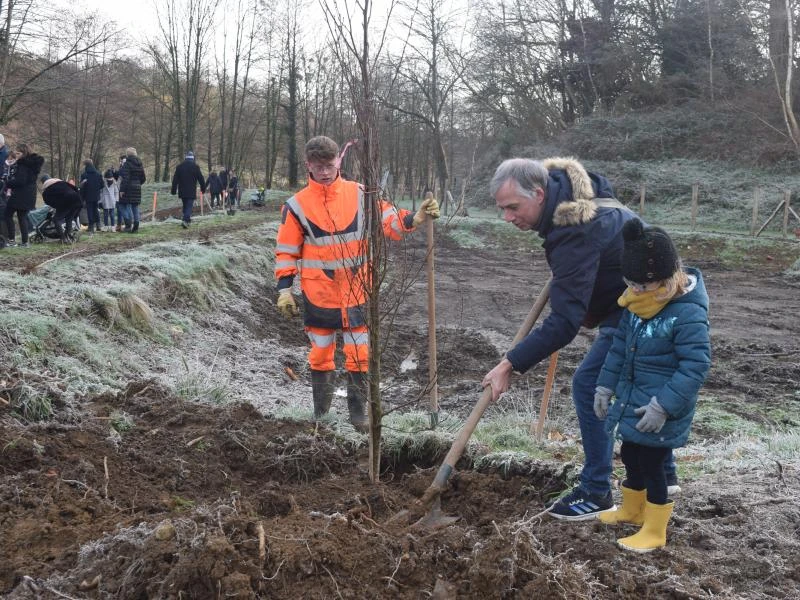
200,501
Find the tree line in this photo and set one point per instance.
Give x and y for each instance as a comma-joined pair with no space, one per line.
244,83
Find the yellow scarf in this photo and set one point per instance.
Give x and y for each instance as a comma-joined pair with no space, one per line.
644,304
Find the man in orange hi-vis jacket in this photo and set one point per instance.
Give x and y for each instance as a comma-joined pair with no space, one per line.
324,226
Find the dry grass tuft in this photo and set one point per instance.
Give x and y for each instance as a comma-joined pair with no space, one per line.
136,310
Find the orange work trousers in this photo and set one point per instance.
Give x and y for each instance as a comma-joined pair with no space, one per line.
323,347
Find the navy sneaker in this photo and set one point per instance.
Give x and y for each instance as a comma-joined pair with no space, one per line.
580,506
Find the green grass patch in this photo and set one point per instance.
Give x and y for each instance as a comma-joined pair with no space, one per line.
714,420
121,421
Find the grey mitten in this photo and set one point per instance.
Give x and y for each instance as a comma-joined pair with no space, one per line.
653,417
601,397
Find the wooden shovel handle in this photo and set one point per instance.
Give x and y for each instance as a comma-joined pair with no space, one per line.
548,389
457,449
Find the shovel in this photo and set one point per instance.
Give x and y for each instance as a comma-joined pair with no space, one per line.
431,499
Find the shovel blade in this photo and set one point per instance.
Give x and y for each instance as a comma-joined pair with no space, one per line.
435,518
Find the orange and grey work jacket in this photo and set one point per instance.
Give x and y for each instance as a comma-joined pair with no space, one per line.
324,227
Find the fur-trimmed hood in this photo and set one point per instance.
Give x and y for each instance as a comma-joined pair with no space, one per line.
572,200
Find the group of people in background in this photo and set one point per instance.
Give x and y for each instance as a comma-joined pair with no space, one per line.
117,192
223,187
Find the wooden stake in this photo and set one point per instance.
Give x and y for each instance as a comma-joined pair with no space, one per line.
695,194
756,199
548,388
772,216
155,203
432,361
642,192
787,199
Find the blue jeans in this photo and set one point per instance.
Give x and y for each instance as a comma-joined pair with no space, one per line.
130,213
597,445
108,216
188,205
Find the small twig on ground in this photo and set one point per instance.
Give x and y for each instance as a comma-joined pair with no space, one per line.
338,593
767,501
191,443
105,468
788,353
498,530
276,571
262,542
59,594
529,521
32,268
141,391
396,569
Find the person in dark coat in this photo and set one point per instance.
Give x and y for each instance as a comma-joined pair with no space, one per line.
233,190
23,170
3,150
659,359
575,213
185,180
66,199
4,153
132,176
90,187
215,188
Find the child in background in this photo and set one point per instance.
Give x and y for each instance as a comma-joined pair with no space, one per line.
109,195
657,363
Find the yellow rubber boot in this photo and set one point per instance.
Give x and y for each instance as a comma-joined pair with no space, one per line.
653,533
630,511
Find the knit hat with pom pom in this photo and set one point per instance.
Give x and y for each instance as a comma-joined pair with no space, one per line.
649,254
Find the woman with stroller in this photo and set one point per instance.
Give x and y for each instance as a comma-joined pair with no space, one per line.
109,196
66,199
23,168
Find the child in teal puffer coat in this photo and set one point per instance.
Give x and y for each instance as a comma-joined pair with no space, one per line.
657,363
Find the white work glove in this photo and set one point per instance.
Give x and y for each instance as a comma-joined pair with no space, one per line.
653,419
428,208
286,303
601,397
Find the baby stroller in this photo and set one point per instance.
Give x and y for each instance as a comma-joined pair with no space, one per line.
43,225
257,198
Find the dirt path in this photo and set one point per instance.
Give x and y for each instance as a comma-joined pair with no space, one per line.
193,501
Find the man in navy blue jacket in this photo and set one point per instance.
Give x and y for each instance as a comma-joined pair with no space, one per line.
184,182
581,223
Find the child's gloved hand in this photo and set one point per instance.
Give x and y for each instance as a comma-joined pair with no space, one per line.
601,397
653,417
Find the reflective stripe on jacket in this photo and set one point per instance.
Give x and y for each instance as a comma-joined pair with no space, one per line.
325,227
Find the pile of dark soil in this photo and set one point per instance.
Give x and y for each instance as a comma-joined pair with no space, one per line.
152,497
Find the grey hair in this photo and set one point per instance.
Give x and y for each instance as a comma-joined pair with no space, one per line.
130,151
528,174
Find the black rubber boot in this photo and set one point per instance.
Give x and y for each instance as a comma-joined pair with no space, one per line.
322,391
135,227
357,400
